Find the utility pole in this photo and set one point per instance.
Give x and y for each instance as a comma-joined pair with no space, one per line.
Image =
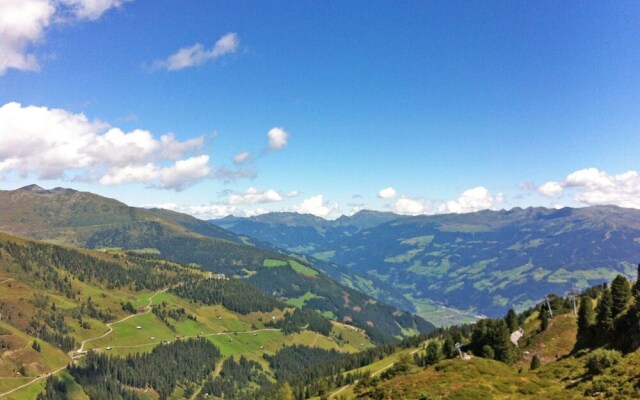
548,306
458,346
574,293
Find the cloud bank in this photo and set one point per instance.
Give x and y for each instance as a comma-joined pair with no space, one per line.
591,186
58,144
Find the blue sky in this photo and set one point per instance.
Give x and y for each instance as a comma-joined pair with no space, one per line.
326,107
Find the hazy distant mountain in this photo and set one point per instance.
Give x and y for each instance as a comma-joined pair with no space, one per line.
486,261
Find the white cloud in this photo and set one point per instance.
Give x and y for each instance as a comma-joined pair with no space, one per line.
470,200
317,206
278,138
204,211
52,143
252,212
130,174
293,193
241,158
23,24
408,206
591,186
550,189
387,193
255,196
197,55
91,9
184,173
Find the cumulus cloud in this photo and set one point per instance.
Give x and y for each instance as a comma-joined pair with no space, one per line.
24,23
471,200
387,193
197,55
255,196
211,211
278,138
203,211
52,143
591,186
316,205
550,189
408,206
241,158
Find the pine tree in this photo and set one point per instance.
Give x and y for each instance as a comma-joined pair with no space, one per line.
620,295
433,353
544,320
586,318
448,347
512,320
535,362
604,320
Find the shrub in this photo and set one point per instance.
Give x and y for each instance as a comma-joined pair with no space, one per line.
601,359
487,352
535,362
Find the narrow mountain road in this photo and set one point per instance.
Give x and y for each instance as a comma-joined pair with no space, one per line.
333,396
5,280
81,349
110,324
33,381
195,336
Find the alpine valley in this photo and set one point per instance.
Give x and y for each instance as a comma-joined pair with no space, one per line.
483,262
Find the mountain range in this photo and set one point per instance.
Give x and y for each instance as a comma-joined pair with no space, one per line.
484,262
87,220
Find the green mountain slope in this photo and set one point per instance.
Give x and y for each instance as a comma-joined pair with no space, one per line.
484,262
57,303
91,221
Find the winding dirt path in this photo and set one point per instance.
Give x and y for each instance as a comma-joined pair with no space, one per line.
110,324
80,350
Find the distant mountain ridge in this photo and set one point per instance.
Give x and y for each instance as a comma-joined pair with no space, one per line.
82,219
487,261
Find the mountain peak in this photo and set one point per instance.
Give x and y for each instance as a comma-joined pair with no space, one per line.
34,188
39,190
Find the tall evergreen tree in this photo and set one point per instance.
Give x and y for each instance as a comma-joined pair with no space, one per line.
448,347
544,320
604,316
620,295
512,320
535,362
433,353
586,318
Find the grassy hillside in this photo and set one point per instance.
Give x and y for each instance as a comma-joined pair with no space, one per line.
58,303
563,368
